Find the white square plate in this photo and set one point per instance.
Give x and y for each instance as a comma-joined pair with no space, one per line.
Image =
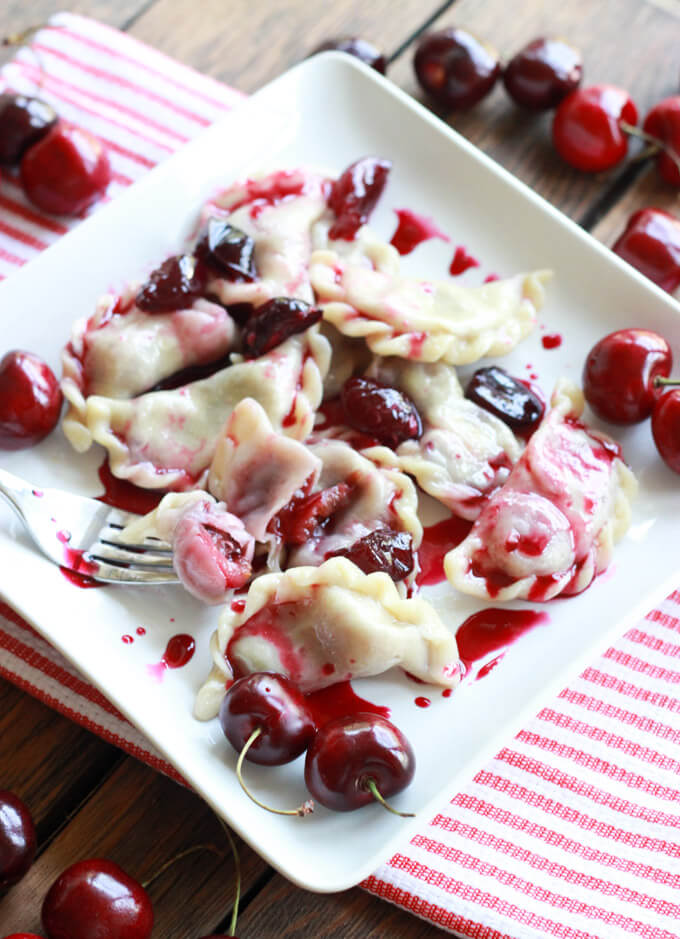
329,111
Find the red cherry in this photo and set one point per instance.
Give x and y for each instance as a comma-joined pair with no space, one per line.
274,322
383,550
273,704
354,195
23,121
96,899
619,373
587,131
30,400
173,286
666,428
544,72
651,243
455,67
663,122
17,838
384,413
349,752
66,171
361,49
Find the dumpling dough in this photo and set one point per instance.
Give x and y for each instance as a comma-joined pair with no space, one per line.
464,454
167,439
551,528
322,625
429,321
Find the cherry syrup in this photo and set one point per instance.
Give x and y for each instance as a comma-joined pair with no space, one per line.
412,229
340,700
492,630
551,340
461,262
179,650
124,495
438,540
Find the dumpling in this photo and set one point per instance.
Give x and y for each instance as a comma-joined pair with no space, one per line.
551,527
212,552
322,625
429,321
167,439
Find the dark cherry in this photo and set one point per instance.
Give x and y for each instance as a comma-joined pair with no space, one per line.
354,195
274,322
30,400
455,67
172,286
228,251
297,521
240,312
273,704
663,122
23,935
66,170
383,550
348,752
361,49
666,428
23,121
542,73
96,899
651,243
587,129
508,398
17,838
619,373
384,413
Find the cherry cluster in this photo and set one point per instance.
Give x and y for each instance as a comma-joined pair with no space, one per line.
350,761
63,168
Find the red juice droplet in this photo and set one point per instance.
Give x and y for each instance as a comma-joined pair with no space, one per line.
127,640
423,702
462,261
412,229
438,539
141,631
238,606
447,692
490,278
178,652
551,340
38,493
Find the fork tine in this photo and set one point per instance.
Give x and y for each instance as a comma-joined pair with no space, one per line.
113,535
110,573
118,555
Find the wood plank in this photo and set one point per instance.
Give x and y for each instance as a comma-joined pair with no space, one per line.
636,48
139,819
648,190
281,910
246,44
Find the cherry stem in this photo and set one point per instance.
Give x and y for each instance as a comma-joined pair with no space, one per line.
375,792
305,809
237,869
24,37
178,857
657,144
660,382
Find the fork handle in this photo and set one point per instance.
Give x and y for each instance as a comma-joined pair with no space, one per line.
14,490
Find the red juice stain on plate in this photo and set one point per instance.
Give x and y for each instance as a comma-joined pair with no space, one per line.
80,580
140,631
412,229
179,650
124,495
490,278
422,702
38,493
438,539
447,692
492,630
551,340
128,640
77,567
461,262
340,700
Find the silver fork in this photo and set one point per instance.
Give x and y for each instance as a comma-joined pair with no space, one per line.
84,535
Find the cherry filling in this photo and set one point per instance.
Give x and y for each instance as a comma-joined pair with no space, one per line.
172,286
354,195
384,413
274,322
499,393
307,514
228,251
383,550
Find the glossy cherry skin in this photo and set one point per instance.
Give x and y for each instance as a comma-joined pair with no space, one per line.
455,68
651,243
30,400
66,171
619,373
96,899
23,121
666,428
383,550
586,129
228,251
354,195
663,122
17,838
274,704
361,49
348,751
496,391
544,72
274,322
385,413
172,286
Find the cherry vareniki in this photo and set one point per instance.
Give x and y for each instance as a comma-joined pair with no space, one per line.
96,899
666,428
383,412
619,374
17,838
361,49
544,72
66,171
587,128
663,123
650,242
30,400
455,68
23,122
357,759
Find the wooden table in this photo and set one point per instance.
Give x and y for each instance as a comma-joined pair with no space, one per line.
87,797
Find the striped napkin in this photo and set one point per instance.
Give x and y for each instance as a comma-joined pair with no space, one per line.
573,830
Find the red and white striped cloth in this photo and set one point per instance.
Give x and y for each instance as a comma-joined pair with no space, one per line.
573,830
